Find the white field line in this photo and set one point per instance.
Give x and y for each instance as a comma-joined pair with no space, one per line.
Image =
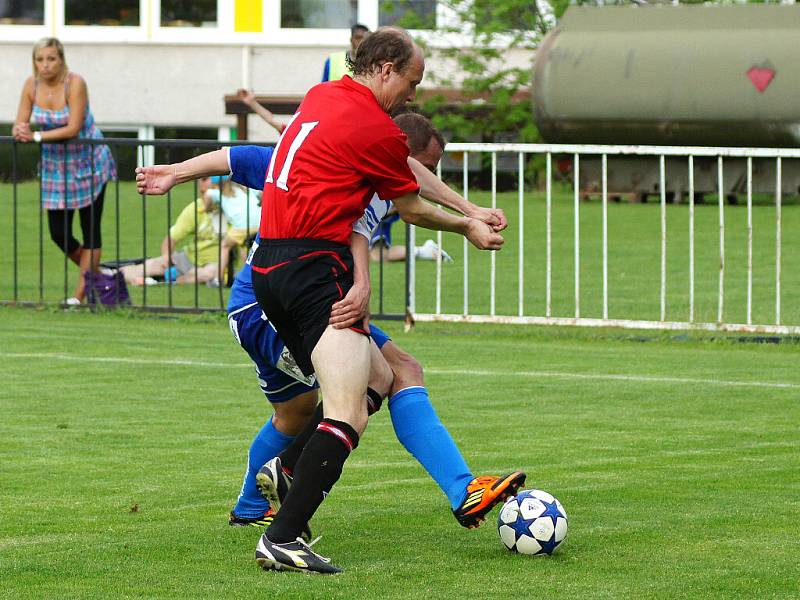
613,377
123,360
432,371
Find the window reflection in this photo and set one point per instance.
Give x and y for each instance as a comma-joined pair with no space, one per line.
108,13
188,13
21,12
322,14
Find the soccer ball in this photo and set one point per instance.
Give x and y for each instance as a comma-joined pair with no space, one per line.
532,522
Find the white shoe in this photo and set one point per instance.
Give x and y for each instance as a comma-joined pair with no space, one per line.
145,281
292,556
430,251
73,301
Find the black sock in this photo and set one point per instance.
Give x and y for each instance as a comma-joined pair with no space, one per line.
292,452
317,469
374,401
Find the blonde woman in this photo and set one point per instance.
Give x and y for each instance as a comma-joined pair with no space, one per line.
74,176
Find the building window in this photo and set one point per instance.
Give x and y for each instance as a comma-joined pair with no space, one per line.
21,12
188,13
164,155
109,13
411,14
318,14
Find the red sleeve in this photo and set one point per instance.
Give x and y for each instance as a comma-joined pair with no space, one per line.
385,165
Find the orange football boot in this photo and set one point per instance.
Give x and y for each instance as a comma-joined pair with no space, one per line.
482,495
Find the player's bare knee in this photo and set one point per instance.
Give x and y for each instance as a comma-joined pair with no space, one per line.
289,423
292,416
354,414
407,372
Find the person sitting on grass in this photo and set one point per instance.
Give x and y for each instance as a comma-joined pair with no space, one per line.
242,210
204,242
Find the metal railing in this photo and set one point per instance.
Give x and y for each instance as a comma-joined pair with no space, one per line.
139,223
525,285
571,310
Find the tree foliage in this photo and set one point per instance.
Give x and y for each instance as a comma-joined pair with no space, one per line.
479,69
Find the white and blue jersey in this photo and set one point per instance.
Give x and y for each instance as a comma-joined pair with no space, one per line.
278,375
383,232
249,166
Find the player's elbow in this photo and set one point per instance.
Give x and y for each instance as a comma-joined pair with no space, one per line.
410,208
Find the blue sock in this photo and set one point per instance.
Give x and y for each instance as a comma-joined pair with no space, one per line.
266,445
421,432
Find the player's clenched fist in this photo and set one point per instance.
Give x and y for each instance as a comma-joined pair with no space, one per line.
495,217
483,236
155,180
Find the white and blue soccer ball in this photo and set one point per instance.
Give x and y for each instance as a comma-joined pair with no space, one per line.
532,522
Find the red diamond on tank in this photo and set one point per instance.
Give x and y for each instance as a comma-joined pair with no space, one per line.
761,77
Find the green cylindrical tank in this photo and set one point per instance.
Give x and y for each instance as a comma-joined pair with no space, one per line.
700,75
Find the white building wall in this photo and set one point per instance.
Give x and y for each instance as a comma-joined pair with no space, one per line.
137,84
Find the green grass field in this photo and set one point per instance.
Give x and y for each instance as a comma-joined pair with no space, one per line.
123,439
634,258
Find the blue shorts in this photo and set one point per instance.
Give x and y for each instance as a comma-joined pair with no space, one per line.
383,232
278,375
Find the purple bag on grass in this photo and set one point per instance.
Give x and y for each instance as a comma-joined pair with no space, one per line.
106,287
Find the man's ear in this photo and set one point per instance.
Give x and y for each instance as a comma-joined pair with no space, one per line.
386,70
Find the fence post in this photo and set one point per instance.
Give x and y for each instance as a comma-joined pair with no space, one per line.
721,188
778,225
691,239
576,173
663,194
549,225
520,233
749,240
15,253
465,174
493,255
605,234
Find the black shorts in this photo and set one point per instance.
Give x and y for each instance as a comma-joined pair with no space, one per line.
296,282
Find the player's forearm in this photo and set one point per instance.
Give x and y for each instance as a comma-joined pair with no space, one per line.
417,212
359,246
205,165
434,189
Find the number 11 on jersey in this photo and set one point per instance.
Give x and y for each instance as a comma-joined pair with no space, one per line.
305,129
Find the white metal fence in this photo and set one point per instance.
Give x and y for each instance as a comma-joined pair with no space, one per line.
542,310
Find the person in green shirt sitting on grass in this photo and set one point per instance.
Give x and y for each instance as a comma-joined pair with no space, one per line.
179,267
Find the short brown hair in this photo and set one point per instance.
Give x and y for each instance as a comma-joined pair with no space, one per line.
386,44
419,131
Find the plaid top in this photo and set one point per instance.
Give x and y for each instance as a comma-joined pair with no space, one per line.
78,184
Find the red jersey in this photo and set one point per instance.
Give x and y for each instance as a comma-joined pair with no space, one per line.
338,150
